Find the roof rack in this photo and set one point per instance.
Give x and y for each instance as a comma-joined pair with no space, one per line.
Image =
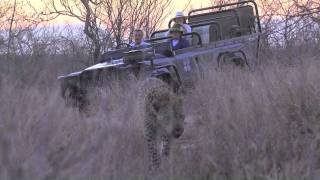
231,4
193,26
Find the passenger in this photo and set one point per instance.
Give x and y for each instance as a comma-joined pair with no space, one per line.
177,41
138,39
181,19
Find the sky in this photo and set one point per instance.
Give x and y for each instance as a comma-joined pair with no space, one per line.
178,5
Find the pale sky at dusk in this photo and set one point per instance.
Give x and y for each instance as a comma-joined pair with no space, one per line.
176,6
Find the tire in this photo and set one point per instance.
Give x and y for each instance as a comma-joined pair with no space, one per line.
74,97
231,60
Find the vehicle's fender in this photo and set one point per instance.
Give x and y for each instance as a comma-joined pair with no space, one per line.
160,72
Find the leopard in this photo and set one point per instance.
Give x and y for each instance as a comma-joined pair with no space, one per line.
162,112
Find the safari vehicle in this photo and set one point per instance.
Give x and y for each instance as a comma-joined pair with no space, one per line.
225,34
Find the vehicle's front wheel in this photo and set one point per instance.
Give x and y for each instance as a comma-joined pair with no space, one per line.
230,60
74,96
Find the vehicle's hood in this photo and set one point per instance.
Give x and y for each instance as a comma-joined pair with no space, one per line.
114,63
105,65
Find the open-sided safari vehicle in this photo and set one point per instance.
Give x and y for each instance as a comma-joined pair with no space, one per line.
226,34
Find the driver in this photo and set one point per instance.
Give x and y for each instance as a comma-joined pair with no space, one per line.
138,39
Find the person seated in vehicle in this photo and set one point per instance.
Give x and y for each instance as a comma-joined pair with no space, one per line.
177,41
182,20
138,41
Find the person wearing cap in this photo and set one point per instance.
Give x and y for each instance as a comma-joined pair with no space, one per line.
177,41
138,39
181,19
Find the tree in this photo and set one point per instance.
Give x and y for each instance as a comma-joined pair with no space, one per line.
117,17
124,16
309,8
15,20
85,11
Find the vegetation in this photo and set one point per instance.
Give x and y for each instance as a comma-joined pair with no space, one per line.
240,125
261,125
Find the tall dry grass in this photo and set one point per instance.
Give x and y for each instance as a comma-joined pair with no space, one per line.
240,125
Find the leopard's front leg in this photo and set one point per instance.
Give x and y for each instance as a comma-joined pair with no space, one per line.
152,146
165,151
